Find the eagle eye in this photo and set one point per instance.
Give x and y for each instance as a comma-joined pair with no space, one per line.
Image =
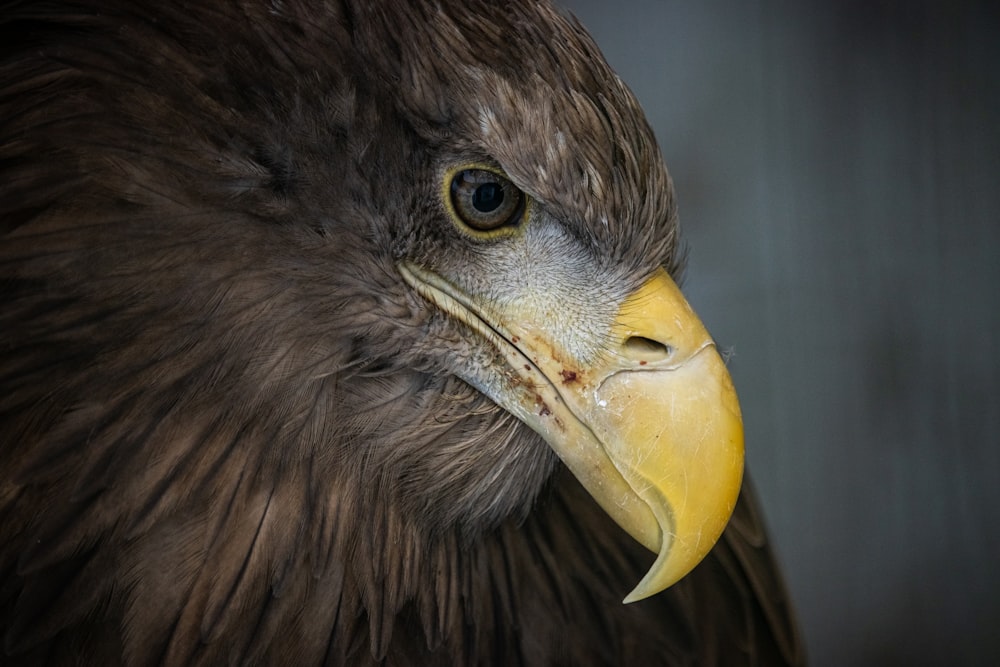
485,200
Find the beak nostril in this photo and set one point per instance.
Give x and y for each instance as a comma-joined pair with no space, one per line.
641,349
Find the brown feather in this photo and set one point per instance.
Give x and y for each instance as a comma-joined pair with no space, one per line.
229,434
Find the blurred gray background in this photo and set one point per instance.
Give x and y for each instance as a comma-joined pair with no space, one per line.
836,165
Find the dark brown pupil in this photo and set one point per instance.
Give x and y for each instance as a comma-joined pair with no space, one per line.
488,197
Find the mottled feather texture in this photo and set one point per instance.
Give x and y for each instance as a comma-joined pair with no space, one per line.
229,433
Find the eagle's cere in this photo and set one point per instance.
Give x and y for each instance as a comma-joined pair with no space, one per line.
348,333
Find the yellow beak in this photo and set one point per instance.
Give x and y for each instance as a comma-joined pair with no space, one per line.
671,426
651,427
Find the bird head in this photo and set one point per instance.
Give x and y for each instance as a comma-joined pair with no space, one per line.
536,256
428,249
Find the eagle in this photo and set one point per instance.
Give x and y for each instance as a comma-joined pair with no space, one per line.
348,333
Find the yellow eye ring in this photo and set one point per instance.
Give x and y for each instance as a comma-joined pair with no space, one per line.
483,201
